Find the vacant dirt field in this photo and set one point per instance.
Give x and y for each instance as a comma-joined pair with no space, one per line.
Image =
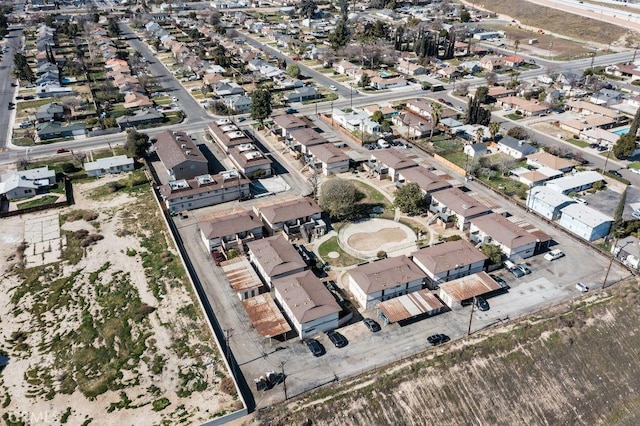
576,365
111,330
371,240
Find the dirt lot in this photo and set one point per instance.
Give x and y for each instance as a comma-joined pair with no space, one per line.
369,241
112,328
576,364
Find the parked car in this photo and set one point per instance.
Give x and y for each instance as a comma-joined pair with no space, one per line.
373,326
482,304
636,171
338,340
240,119
442,101
517,272
218,257
315,347
581,287
636,214
554,254
438,339
615,173
502,283
61,150
525,270
334,88
291,111
601,148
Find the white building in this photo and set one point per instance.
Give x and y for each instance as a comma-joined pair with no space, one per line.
585,222
547,202
328,158
274,258
580,181
116,164
311,308
514,241
448,261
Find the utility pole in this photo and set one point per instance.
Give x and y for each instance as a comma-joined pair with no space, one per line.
473,305
606,275
284,380
331,113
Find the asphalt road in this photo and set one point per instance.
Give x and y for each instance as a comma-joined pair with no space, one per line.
7,92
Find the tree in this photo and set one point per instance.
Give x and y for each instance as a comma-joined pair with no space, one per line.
518,132
493,252
293,70
410,199
307,8
617,216
465,16
482,93
343,5
491,78
633,129
338,197
625,146
261,105
136,144
516,44
340,36
494,129
365,80
377,116
436,114
479,134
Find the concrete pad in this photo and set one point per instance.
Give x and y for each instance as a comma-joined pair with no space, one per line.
42,233
275,184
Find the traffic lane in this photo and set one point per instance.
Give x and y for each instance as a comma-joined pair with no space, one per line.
7,91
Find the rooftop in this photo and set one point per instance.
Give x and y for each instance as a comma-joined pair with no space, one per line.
393,158
386,273
175,147
448,256
426,180
460,202
265,315
468,287
503,231
410,305
585,214
232,223
288,210
276,255
306,296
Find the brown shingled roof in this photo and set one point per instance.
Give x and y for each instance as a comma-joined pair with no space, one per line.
387,273
306,296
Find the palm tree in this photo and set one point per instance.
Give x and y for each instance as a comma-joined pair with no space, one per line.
436,114
516,44
494,129
479,134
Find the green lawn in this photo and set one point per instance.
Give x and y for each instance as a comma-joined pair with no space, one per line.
458,158
514,117
22,105
444,145
635,165
371,194
331,245
577,142
506,186
42,201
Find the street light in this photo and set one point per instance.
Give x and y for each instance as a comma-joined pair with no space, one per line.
351,95
606,160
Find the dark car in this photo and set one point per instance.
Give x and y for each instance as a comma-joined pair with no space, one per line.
438,339
615,173
338,340
525,270
61,150
315,347
442,101
601,148
291,110
218,257
482,304
517,272
502,283
373,326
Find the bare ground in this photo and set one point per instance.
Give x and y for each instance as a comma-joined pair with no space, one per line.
577,364
113,329
369,241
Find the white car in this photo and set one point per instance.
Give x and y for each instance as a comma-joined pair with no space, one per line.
636,171
581,287
175,99
554,254
334,88
636,214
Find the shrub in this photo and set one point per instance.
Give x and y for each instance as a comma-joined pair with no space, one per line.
381,254
160,404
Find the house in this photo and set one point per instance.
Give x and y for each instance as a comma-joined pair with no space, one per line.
51,89
301,94
461,291
424,108
513,60
514,241
328,158
410,68
285,123
587,108
544,159
301,140
527,108
498,92
384,279
226,134
628,251
600,136
180,156
577,182
626,70
113,165
515,148
53,130
535,177
250,161
585,222
389,162
274,257
26,183
356,119
212,79
293,216
414,125
449,72
386,111
428,181
453,205
547,201
344,67
491,63
450,260
474,150
579,125
382,83
136,100
50,112
606,97
223,89
230,229
203,191
308,304
237,103
140,117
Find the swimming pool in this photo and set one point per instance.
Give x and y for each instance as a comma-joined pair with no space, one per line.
621,131
65,80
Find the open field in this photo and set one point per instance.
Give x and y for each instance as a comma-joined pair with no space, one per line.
111,328
556,21
557,367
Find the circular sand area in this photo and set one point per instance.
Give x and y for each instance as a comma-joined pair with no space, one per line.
365,239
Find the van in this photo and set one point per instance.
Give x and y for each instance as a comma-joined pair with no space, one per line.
383,143
509,264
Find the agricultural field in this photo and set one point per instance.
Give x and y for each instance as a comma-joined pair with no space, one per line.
575,364
111,328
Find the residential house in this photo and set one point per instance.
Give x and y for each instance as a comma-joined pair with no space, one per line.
606,97
410,68
308,304
384,279
109,165
450,260
474,150
237,103
453,205
53,130
328,158
413,126
579,125
580,181
498,92
514,241
544,159
513,60
180,156
449,72
587,108
462,291
285,123
50,89
223,89
585,222
626,69
133,100
300,140
535,177
527,108
428,181
250,161
515,148
301,94
356,119
424,108
50,112
389,162
299,215
386,111
274,257
211,79
491,63
26,183
382,83
627,250
140,117
547,201
226,134
600,136
344,67
230,229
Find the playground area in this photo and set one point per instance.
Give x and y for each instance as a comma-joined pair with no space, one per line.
366,238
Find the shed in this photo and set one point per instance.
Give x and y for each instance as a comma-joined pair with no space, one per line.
461,291
412,305
242,277
265,316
